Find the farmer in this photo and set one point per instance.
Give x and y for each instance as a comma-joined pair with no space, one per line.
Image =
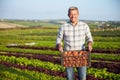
75,34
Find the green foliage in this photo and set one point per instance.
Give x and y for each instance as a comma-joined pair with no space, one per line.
106,45
45,35
114,33
18,50
106,56
103,74
99,73
17,74
32,62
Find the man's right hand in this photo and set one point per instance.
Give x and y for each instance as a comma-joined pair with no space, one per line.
59,47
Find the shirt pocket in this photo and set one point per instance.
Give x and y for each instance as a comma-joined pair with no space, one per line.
68,35
81,34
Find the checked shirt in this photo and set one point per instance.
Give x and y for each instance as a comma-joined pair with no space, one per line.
74,37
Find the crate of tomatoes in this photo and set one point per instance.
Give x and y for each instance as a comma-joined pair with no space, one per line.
75,58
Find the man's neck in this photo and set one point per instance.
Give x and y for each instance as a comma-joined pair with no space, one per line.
74,23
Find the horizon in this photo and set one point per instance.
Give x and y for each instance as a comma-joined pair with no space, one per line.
58,20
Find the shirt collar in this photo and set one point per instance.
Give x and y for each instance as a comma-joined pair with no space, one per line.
78,23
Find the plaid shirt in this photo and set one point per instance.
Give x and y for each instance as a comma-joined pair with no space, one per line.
74,36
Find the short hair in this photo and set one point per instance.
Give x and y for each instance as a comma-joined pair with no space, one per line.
72,8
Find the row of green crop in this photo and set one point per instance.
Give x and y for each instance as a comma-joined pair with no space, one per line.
106,39
96,45
101,45
53,38
25,51
47,37
17,74
18,50
105,56
49,43
53,32
32,62
100,73
114,33
106,45
103,74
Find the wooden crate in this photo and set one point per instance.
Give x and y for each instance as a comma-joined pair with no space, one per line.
75,58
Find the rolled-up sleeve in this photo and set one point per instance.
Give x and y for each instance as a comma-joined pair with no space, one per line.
59,36
88,34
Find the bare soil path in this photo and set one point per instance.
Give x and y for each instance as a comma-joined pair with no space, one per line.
6,25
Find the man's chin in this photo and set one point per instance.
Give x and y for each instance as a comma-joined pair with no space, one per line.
73,21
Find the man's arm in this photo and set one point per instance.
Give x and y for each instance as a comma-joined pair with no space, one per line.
59,40
89,39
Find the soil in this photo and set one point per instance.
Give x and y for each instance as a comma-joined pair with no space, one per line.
54,49
6,25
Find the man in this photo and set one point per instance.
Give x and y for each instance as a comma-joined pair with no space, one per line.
74,34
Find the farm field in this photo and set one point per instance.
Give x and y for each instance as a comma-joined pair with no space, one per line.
30,54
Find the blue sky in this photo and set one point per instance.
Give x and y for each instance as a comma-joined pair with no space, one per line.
57,9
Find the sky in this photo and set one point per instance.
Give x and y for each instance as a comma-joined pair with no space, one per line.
58,9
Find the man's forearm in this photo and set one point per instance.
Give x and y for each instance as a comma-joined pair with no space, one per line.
89,43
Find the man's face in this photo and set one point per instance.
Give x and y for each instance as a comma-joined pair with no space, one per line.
73,15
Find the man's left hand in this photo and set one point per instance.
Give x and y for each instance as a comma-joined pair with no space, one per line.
89,46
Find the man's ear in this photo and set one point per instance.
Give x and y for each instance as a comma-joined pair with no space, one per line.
68,15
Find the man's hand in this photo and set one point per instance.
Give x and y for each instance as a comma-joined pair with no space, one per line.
59,47
89,46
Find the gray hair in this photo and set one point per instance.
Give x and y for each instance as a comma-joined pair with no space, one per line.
72,8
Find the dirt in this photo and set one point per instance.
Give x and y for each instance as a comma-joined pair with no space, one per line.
6,25
54,49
